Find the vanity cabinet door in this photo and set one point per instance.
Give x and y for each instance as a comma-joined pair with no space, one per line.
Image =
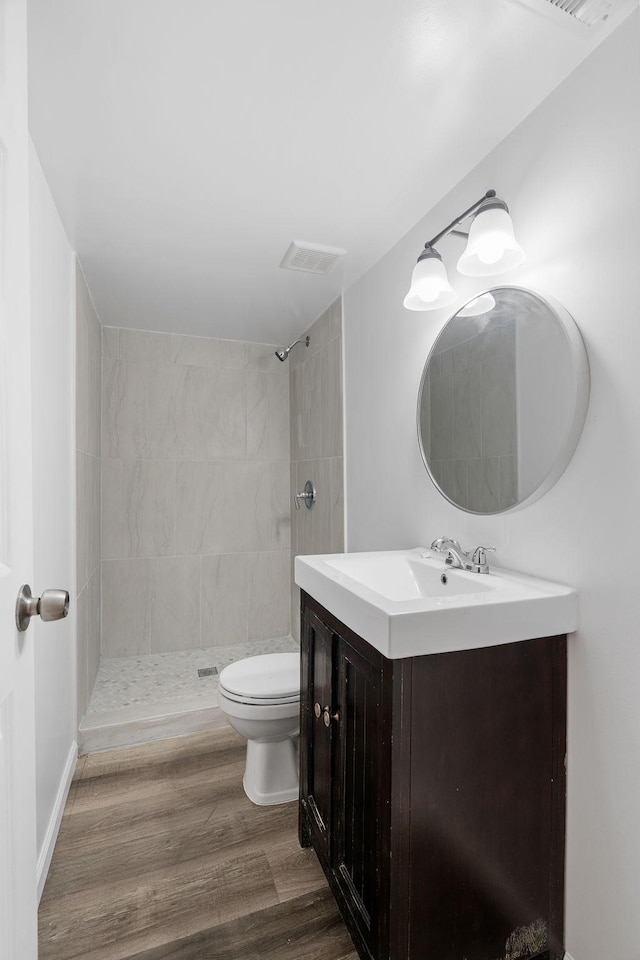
360,758
316,694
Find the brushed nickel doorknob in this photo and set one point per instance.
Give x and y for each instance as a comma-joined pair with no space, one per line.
52,605
317,709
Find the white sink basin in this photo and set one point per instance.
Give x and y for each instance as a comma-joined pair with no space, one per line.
399,603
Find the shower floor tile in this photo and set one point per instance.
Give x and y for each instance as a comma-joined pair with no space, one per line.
138,699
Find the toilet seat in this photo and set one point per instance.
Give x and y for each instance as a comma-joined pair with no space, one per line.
272,678
258,701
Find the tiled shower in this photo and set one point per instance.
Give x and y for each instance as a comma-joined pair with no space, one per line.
188,513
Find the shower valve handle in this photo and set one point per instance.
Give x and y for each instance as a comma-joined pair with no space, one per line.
308,495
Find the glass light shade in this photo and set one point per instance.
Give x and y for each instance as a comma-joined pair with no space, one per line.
492,247
430,288
475,308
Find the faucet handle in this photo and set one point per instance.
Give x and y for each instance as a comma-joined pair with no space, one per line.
440,545
480,555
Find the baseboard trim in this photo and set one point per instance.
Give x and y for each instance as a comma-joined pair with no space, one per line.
44,860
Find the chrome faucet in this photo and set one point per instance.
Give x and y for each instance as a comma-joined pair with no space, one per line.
459,558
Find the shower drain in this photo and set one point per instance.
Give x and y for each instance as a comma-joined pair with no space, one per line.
207,672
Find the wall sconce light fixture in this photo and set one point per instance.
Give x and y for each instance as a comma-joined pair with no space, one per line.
491,249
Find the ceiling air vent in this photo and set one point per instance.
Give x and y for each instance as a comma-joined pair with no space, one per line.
311,257
588,13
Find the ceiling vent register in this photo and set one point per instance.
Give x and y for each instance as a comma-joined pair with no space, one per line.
311,257
588,12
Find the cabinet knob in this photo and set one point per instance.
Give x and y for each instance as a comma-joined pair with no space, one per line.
317,709
328,717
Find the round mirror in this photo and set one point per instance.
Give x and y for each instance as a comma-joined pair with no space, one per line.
502,400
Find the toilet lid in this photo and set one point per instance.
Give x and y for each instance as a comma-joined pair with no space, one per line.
268,677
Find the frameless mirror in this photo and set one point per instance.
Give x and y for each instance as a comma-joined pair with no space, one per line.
502,400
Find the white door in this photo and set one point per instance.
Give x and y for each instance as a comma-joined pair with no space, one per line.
18,906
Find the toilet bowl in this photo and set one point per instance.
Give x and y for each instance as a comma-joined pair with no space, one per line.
260,697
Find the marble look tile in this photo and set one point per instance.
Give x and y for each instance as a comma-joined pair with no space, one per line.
295,411
331,392
508,482
224,599
146,345
141,404
425,417
211,415
314,526
242,507
295,604
268,415
111,342
460,356
459,480
317,389
223,354
293,489
88,370
485,494
138,508
92,624
87,516
467,412
163,678
269,599
82,651
498,407
442,417
174,603
337,505
125,607
325,328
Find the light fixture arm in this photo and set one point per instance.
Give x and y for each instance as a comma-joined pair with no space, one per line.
489,195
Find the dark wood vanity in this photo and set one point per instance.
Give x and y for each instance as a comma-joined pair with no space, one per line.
432,789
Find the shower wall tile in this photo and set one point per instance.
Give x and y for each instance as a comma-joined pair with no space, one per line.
242,507
138,508
267,428
87,516
314,526
316,442
317,401
88,494
337,505
269,597
211,414
224,599
142,403
195,477
442,417
125,608
174,603
93,591
88,359
498,407
111,342
82,651
472,422
467,412
322,331
146,345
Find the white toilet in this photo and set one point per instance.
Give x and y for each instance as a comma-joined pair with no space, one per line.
260,697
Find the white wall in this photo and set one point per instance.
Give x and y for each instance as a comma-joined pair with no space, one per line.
53,355
571,175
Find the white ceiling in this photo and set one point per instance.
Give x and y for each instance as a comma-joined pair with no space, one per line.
187,142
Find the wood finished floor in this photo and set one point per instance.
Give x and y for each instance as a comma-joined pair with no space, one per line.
161,856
